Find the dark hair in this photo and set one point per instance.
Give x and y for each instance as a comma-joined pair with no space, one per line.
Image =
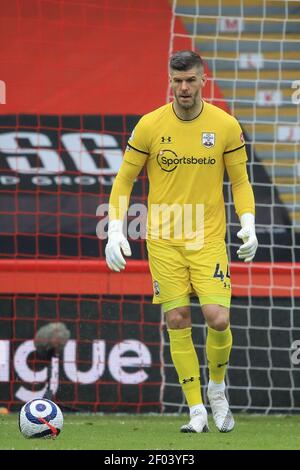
185,60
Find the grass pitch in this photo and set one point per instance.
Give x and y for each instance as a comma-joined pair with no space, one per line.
128,432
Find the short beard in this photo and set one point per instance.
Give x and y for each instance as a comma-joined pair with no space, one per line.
187,106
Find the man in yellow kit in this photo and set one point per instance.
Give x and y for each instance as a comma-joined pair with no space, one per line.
186,146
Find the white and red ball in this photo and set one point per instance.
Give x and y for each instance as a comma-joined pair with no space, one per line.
40,418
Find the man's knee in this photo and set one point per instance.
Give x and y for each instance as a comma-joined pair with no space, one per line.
179,317
216,316
219,323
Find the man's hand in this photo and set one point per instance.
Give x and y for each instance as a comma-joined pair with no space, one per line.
116,243
247,251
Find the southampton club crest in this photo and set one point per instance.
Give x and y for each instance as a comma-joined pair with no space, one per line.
156,288
208,139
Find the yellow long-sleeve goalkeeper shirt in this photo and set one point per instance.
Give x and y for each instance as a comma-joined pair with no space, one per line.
185,163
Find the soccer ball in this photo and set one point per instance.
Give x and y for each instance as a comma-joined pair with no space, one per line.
40,418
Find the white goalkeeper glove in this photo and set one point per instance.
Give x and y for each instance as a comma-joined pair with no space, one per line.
247,251
116,243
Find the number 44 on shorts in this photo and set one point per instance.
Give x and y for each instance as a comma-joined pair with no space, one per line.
219,274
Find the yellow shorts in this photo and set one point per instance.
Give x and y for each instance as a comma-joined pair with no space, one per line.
178,272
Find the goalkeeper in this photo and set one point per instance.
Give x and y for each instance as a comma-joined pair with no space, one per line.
186,146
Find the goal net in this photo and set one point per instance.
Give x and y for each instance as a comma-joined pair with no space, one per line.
251,50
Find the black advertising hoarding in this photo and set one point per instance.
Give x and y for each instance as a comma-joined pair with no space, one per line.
110,363
118,359
56,170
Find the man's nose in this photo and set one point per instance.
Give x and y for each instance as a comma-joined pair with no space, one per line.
184,85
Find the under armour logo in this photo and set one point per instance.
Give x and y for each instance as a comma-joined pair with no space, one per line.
191,379
166,139
221,365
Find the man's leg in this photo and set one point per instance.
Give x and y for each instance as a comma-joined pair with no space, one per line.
218,347
170,276
186,363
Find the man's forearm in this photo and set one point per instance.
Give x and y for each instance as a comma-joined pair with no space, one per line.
242,191
117,244
245,207
121,190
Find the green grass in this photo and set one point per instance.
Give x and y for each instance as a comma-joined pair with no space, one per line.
117,432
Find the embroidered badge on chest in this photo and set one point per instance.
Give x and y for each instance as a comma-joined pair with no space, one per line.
208,139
